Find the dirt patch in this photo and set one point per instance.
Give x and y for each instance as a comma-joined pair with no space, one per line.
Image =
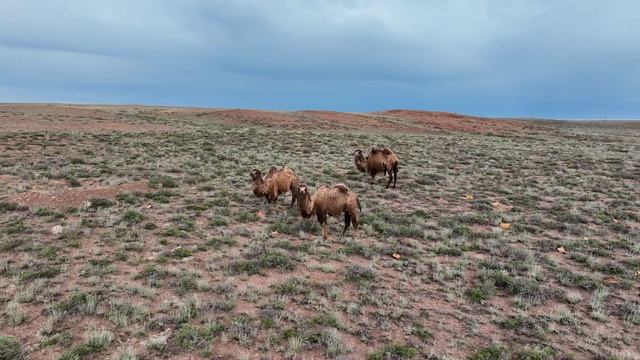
65,199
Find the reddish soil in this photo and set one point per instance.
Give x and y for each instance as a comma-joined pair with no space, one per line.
64,199
464,123
71,118
407,121
101,118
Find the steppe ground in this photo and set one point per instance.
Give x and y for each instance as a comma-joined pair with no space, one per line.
131,232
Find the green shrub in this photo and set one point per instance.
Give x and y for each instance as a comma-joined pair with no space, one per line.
191,337
477,295
163,181
10,348
132,217
100,203
493,352
393,351
218,221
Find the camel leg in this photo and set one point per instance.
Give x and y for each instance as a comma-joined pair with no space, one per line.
347,222
322,219
395,175
354,224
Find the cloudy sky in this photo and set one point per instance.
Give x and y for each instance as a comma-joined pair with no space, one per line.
545,58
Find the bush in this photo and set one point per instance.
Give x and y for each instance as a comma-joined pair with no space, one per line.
393,352
493,352
163,181
181,252
190,337
10,206
477,295
100,203
132,217
10,348
218,221
359,273
269,258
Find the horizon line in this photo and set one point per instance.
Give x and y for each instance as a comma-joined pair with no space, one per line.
504,117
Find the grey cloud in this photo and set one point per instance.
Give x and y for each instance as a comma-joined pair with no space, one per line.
493,57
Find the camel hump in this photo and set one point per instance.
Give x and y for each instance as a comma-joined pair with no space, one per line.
387,151
272,172
342,188
374,150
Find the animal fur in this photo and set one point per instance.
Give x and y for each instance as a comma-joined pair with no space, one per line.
276,182
378,161
330,201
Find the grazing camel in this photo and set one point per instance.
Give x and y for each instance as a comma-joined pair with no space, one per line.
330,201
378,161
276,182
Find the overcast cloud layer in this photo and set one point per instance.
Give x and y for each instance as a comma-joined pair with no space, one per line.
545,58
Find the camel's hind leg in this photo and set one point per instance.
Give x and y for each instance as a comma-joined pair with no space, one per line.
347,222
322,219
354,224
395,175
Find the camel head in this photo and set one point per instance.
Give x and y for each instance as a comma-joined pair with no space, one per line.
255,175
360,160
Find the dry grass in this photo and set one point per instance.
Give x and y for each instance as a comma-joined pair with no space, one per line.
187,268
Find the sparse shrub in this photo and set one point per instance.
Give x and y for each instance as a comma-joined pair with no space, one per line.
292,286
493,352
242,330
126,354
73,182
533,353
150,226
132,217
359,273
10,348
218,221
573,297
393,351
11,206
630,312
181,252
97,341
100,203
190,337
264,258
163,182
245,217
38,272
16,227
420,331
186,282
477,294
597,303
15,313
